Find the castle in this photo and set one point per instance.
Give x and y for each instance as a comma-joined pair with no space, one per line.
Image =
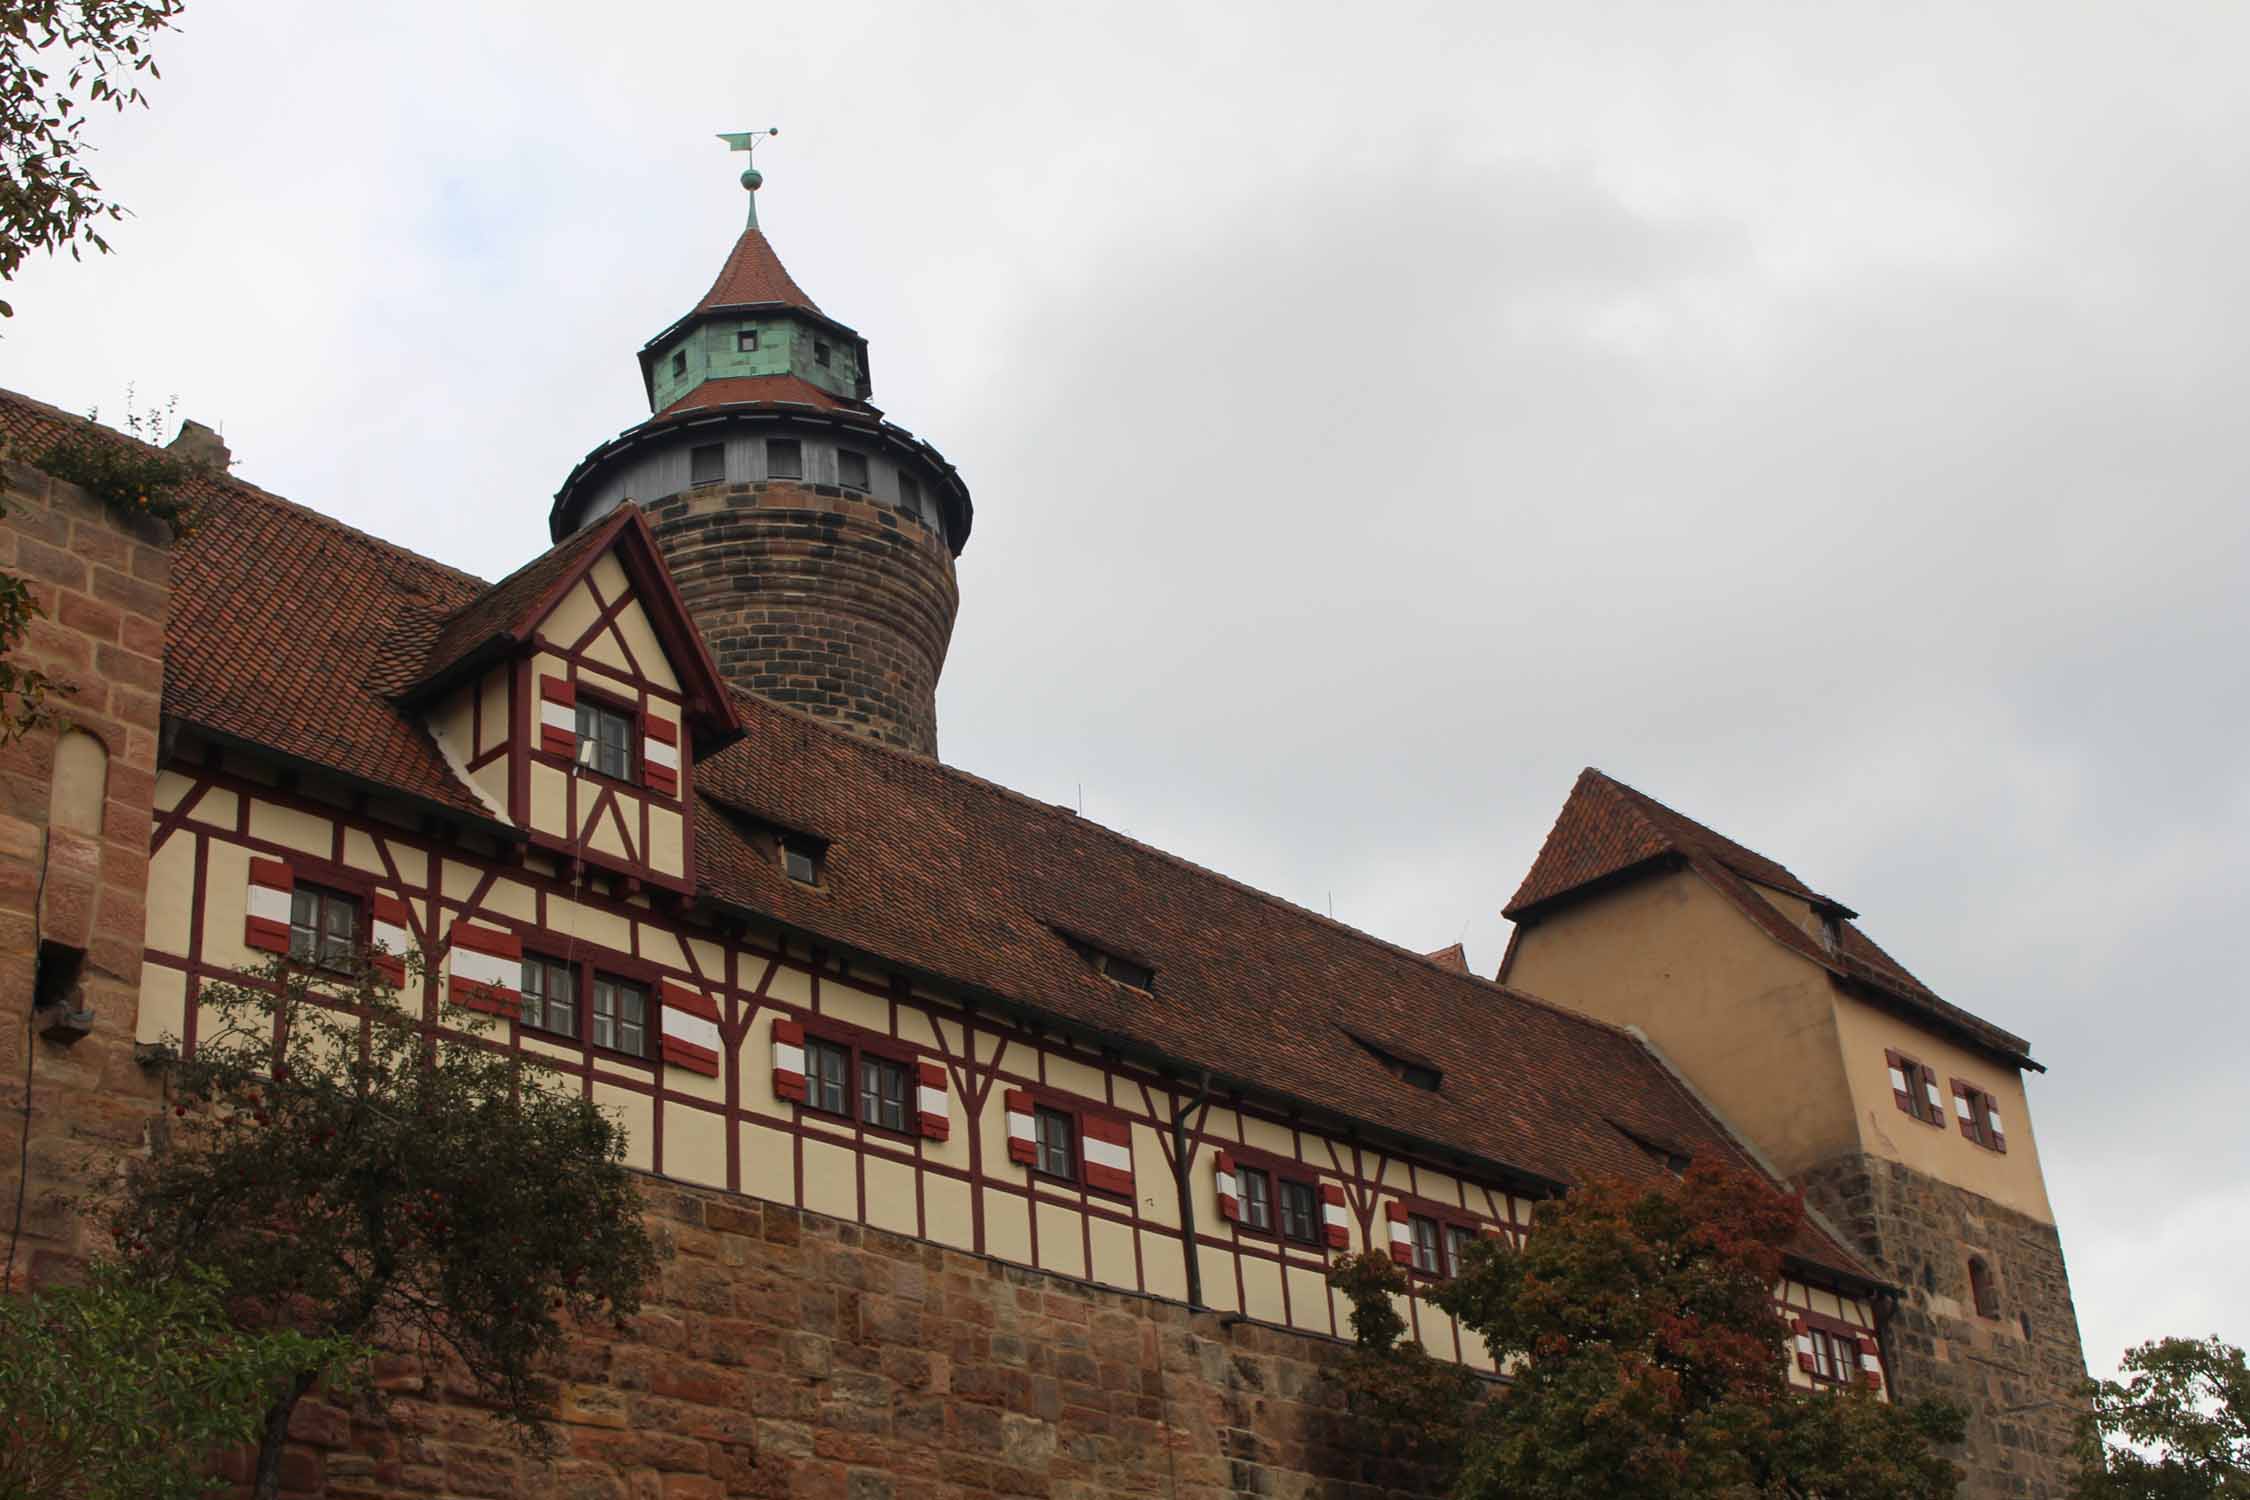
1002,1153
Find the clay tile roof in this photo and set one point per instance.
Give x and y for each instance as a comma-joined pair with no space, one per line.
1608,832
753,273
504,609
1454,957
729,390
286,625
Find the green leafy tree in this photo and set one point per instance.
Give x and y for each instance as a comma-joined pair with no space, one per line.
360,1178
2177,1428
120,1388
1646,1360
59,60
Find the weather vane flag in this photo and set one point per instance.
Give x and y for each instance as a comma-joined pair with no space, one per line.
747,141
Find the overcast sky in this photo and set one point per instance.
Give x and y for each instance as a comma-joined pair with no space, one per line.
1828,419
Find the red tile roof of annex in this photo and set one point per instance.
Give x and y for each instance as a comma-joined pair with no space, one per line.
1608,831
286,625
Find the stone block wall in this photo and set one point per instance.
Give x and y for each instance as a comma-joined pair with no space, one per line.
821,598
75,814
781,1353
2018,1373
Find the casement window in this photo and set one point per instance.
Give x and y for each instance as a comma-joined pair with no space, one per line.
1300,1212
801,857
1835,1358
605,739
1979,1116
1825,1365
885,1088
1255,1188
1914,1088
1458,1239
323,926
1423,1232
1055,1143
707,463
550,996
820,352
785,458
620,1019
851,469
828,1069
679,363
746,341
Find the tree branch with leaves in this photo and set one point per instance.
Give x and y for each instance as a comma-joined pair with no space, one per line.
349,1171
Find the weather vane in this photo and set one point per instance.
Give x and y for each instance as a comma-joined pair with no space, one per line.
747,141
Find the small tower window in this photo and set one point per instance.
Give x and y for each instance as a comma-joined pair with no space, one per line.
1981,1290
707,464
910,496
819,352
679,363
746,341
851,469
785,458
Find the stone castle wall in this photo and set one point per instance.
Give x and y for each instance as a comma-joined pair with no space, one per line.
821,598
2017,1374
75,816
782,1353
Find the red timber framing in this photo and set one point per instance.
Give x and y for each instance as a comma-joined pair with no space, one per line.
753,987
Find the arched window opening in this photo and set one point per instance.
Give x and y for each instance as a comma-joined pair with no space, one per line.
1981,1290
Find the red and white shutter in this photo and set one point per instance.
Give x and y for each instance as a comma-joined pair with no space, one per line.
1964,1112
660,755
1902,1083
1870,1363
272,889
486,969
1332,1215
1022,1132
1936,1112
691,1030
1999,1140
1230,1203
1402,1235
558,716
1804,1344
789,1060
933,1105
387,938
1106,1142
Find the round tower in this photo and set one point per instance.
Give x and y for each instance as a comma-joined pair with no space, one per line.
812,540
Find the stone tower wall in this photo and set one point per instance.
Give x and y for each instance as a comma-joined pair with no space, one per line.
820,598
74,857
2018,1374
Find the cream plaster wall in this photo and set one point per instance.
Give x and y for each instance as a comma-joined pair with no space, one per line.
2011,1178
1749,1021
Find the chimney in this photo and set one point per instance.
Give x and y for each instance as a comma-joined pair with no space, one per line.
198,444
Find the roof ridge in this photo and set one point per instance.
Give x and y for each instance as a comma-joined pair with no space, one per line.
1641,802
1055,810
247,490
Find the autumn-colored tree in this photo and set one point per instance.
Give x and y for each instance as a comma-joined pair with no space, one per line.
1646,1360
343,1171
2178,1428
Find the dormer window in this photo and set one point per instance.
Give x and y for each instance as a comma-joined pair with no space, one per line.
679,363
851,469
801,857
820,353
746,341
1408,1070
605,739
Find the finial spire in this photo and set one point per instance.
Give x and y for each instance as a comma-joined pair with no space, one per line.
747,141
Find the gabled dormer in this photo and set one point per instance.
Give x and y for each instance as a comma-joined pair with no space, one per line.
574,698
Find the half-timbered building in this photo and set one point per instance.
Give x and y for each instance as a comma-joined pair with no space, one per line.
663,809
